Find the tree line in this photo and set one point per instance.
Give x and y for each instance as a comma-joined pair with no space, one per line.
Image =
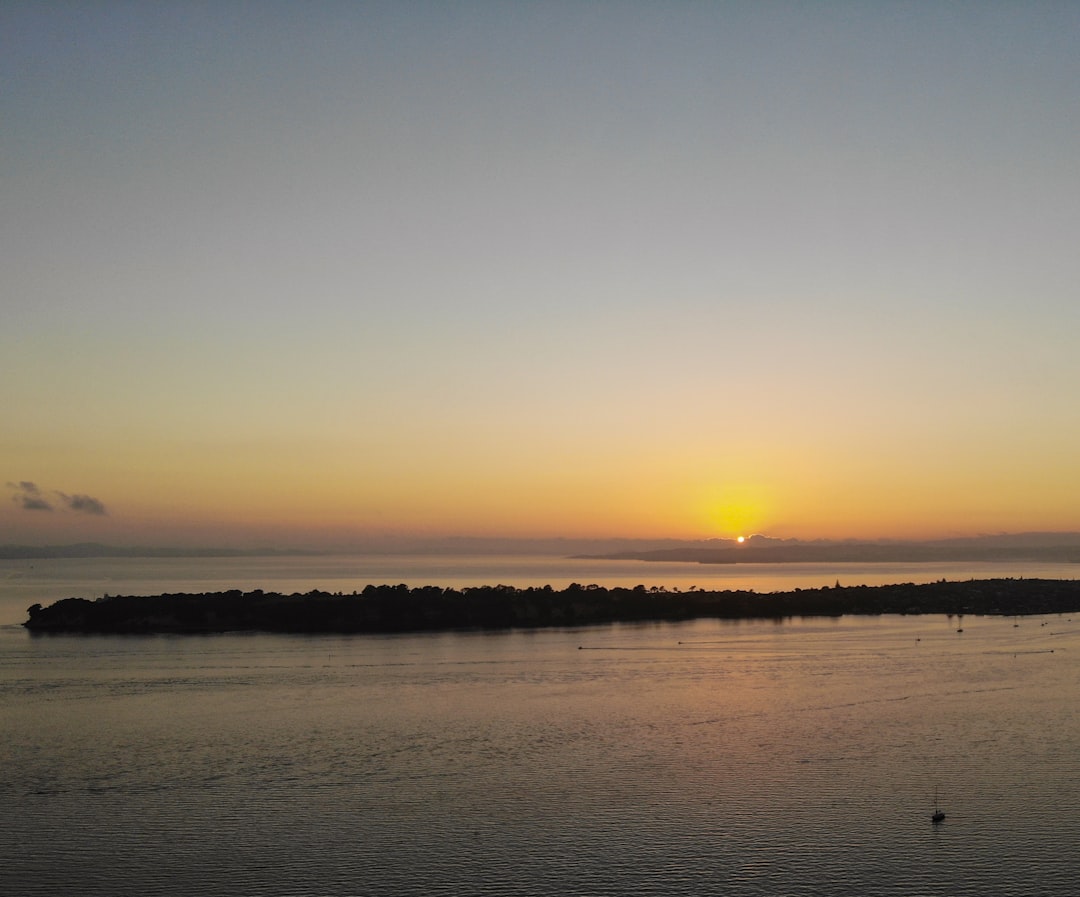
399,608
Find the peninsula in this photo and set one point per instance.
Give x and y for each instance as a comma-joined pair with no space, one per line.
398,608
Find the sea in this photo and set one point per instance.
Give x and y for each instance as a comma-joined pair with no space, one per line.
801,756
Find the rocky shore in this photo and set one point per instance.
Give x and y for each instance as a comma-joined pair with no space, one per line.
398,608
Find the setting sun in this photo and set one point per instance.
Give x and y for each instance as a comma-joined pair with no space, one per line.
733,509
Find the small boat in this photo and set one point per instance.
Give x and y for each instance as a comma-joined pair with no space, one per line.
938,815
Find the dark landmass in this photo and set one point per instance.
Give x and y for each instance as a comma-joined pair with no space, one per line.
96,550
1045,547
399,608
958,551
759,549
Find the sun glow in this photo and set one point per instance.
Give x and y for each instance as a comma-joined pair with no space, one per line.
736,510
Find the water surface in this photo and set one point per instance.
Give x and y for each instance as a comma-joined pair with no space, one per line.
744,758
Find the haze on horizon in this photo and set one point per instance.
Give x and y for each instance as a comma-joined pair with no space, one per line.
294,275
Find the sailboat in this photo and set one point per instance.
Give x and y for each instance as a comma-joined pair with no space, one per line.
938,815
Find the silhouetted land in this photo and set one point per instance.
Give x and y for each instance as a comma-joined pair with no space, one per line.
97,550
398,608
1052,547
953,551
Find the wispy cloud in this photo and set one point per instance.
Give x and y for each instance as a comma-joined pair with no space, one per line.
31,497
84,504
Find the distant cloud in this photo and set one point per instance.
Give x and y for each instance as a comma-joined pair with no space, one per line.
84,504
30,497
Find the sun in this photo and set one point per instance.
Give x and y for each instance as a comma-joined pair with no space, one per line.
736,512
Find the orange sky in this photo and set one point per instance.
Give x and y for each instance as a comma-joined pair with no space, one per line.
609,271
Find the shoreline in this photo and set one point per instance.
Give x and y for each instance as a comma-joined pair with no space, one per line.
398,608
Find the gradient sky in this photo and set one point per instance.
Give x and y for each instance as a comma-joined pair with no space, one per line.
278,272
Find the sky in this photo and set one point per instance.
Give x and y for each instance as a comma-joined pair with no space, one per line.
300,274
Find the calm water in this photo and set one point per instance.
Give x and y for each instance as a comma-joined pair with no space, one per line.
743,758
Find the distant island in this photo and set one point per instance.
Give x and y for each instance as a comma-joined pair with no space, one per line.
398,608
1041,547
1051,547
97,550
